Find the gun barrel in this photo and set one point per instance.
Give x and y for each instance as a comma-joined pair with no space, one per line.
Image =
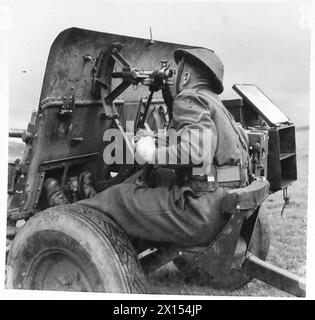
132,74
15,133
147,77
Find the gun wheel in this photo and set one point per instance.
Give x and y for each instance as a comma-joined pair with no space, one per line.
73,248
236,278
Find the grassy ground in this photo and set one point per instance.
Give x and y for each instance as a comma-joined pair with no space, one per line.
287,247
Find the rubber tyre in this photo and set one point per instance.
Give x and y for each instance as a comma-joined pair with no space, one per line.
76,238
236,279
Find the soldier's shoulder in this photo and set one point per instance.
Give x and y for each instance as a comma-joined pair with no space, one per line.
202,98
190,96
189,103
209,95
188,93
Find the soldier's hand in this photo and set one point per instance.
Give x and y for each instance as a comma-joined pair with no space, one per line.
143,133
139,134
145,149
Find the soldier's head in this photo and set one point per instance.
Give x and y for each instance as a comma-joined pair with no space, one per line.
198,65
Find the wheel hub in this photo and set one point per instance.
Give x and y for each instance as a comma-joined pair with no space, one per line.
59,271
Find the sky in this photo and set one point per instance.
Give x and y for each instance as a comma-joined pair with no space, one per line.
262,42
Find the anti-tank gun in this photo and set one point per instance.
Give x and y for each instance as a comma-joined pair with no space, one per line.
88,89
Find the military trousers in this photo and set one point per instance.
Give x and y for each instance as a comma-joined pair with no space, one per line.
166,213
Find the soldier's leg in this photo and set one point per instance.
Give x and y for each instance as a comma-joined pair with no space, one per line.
158,214
133,178
145,213
162,177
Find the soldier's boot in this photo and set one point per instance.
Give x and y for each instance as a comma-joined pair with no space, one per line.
86,185
54,194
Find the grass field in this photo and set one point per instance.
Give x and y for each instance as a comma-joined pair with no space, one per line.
287,247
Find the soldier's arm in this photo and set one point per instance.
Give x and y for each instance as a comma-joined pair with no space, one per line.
196,131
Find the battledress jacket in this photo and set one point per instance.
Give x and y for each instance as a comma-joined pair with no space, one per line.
221,141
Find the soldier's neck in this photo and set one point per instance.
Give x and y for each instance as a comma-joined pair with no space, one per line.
199,84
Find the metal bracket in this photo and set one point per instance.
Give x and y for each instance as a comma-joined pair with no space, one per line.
158,258
218,256
68,104
38,190
286,199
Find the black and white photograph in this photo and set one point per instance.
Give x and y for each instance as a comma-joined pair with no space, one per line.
156,148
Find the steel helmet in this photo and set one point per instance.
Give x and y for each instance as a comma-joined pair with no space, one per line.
207,58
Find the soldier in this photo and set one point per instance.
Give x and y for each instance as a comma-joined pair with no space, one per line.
186,211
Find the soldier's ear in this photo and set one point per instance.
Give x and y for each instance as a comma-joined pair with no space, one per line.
186,78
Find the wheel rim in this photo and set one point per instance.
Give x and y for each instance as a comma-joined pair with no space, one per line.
56,270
